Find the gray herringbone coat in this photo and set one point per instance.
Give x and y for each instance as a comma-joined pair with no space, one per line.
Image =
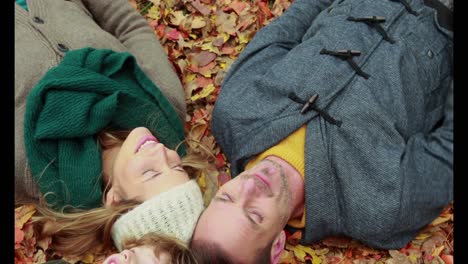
387,170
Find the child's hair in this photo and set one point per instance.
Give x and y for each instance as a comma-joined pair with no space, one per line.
176,249
78,232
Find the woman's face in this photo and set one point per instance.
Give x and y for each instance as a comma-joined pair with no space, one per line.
138,255
143,168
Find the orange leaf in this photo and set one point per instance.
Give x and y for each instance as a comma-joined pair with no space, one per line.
448,259
160,31
295,238
19,236
265,9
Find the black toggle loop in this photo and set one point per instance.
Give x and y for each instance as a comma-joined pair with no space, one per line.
407,6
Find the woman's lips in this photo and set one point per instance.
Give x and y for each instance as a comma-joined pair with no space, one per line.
145,139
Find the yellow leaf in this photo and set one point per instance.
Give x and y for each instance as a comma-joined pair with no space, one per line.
177,17
209,47
413,258
239,47
154,13
423,236
222,65
243,38
300,252
198,22
204,93
88,258
287,257
439,220
316,260
225,36
190,77
437,251
23,214
202,181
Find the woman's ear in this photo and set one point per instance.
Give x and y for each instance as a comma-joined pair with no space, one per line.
112,198
277,247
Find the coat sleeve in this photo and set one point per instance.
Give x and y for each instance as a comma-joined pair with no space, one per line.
427,168
121,20
426,182
274,41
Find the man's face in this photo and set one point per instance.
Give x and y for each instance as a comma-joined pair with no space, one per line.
247,212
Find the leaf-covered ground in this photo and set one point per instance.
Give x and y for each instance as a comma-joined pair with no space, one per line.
202,39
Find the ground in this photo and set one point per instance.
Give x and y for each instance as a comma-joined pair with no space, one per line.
202,39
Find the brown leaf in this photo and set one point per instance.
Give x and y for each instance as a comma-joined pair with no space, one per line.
335,241
238,6
399,257
203,58
203,82
200,7
226,22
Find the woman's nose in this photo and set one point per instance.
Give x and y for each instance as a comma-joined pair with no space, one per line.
159,151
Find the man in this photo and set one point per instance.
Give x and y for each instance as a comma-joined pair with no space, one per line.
340,117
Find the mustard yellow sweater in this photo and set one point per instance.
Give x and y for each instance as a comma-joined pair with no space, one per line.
292,150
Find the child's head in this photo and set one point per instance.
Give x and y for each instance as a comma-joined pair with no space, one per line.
152,248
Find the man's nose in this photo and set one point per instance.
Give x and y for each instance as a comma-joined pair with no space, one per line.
249,188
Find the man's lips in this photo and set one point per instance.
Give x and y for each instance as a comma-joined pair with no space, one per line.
263,178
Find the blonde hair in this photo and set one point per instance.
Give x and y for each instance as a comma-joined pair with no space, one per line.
179,252
78,232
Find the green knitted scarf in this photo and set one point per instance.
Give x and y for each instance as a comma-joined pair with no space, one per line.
90,90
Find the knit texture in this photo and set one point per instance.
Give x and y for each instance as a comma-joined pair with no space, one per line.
88,91
174,213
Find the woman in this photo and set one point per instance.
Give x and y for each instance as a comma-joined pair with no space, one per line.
46,30
96,122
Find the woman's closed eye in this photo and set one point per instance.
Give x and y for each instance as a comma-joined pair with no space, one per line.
150,174
178,168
